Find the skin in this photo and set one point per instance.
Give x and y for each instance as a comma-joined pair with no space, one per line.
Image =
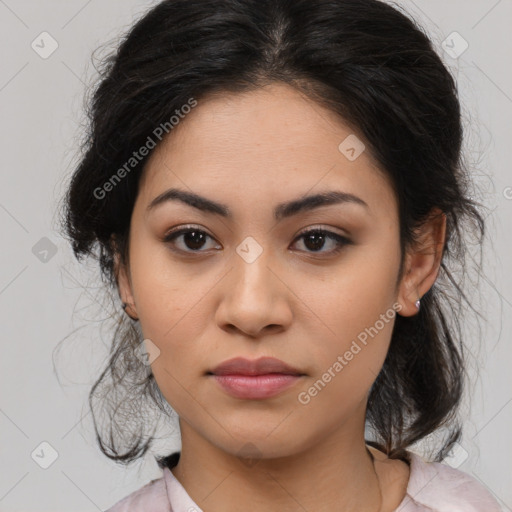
251,151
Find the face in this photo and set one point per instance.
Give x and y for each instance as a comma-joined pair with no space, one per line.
247,283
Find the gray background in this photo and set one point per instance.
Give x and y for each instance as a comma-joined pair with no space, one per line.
46,298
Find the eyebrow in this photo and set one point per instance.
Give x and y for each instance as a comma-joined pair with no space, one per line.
281,211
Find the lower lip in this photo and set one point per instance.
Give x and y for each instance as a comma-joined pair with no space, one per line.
256,386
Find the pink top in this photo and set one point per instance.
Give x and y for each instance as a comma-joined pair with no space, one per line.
432,487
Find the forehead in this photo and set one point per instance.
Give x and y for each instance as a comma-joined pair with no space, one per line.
272,142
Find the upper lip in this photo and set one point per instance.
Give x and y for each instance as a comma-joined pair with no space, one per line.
261,366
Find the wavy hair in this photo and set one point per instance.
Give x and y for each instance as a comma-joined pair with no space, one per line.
366,61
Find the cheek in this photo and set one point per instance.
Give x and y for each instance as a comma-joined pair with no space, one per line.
346,367
355,318
175,329
162,293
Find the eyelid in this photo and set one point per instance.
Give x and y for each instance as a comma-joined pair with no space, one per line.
322,227
184,227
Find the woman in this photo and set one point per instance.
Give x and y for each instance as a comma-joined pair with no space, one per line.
276,189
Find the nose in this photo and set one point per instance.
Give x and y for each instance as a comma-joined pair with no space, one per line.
255,298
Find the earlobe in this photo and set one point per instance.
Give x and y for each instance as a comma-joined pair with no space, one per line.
408,294
423,262
124,288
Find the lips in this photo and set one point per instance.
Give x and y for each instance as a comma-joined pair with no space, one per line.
258,379
261,366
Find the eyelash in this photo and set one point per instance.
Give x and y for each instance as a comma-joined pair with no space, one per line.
339,239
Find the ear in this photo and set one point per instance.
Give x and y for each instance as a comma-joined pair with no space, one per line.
122,274
422,262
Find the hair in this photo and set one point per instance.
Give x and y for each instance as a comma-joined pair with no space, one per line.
364,60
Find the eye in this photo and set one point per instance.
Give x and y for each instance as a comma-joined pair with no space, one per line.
315,240
192,238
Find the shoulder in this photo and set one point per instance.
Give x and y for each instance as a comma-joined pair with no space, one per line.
152,496
437,487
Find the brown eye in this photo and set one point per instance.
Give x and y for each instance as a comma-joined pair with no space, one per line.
192,239
316,239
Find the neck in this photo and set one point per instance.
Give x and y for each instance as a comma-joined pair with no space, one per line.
335,474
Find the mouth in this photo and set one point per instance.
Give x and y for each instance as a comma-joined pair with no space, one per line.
261,366
255,379
255,387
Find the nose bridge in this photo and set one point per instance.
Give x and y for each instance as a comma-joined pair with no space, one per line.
253,297
251,273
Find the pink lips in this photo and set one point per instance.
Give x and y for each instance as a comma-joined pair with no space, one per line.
257,379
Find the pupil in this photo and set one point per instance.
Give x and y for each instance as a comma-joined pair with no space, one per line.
195,238
310,237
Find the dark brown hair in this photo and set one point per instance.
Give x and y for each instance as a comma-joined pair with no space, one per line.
366,61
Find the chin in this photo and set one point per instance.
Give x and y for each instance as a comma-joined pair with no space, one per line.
254,444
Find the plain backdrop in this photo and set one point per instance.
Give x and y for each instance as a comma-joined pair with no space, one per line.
47,297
